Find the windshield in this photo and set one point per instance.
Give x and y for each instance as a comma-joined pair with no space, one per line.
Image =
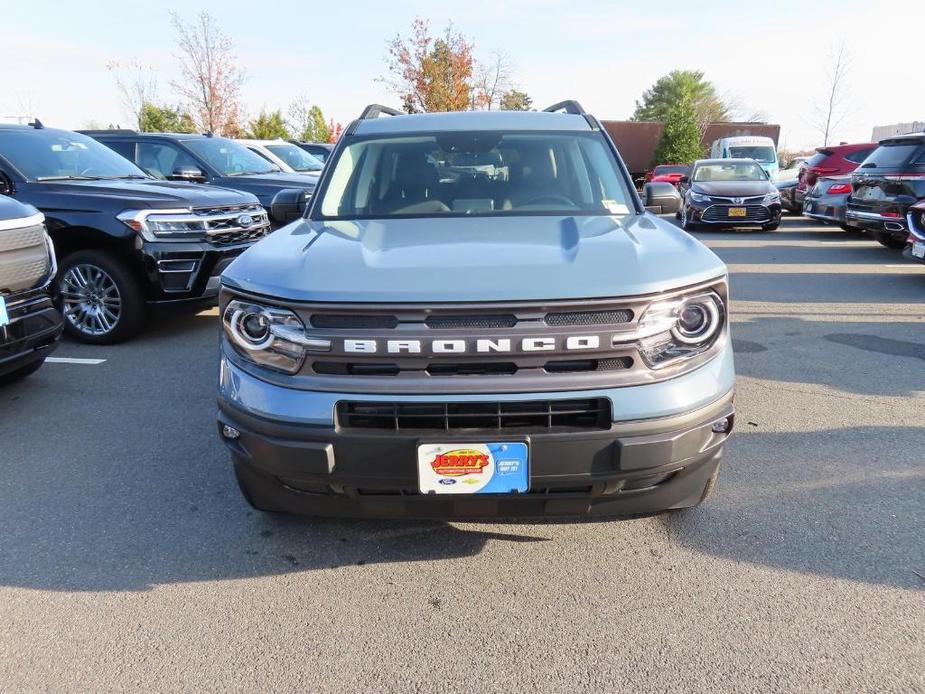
44,155
475,173
740,171
764,154
297,158
229,158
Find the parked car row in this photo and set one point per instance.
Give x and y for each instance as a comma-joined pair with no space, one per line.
142,220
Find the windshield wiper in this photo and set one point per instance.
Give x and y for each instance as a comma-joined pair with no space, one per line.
132,177
249,173
69,178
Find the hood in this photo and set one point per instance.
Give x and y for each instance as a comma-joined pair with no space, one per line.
742,189
138,193
520,258
266,186
13,209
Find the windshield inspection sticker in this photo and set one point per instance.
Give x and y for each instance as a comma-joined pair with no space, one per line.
453,468
615,207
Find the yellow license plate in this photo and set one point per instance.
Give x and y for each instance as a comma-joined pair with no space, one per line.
737,212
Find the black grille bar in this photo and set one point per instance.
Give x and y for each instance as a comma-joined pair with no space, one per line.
525,416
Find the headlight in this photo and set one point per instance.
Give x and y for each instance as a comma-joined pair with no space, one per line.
698,197
680,328
771,198
269,336
165,225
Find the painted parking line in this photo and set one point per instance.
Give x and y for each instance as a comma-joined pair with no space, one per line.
72,360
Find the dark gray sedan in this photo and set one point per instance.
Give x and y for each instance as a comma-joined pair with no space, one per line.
827,200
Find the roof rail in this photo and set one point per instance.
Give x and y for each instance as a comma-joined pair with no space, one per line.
569,106
108,131
376,110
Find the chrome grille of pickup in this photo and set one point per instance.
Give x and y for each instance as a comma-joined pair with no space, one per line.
223,227
512,417
24,258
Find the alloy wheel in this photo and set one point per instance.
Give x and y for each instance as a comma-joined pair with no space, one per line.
90,299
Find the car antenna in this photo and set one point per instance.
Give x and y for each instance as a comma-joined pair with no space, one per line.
37,124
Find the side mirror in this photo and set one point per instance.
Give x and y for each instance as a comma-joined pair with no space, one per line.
661,198
684,180
289,205
187,173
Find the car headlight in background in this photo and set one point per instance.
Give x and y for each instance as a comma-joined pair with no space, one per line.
771,198
698,197
269,336
680,328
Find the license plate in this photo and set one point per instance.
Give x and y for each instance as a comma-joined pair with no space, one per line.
918,249
737,212
4,316
473,468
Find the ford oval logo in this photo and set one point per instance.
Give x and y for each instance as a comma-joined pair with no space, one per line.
244,220
447,482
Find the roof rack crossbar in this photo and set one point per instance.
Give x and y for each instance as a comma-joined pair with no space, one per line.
569,106
376,110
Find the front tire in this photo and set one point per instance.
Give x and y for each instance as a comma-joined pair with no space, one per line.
884,238
770,227
100,300
686,223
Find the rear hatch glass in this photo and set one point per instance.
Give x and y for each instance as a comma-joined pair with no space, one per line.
890,156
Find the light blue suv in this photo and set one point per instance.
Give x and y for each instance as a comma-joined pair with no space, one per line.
477,318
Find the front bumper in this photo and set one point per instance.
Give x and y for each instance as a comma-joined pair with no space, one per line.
181,272
717,213
658,454
33,332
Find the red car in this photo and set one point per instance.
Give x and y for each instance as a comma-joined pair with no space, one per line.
667,173
836,160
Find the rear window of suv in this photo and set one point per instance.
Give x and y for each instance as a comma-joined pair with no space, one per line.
890,156
475,173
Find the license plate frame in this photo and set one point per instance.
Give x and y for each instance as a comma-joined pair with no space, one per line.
737,212
918,249
473,468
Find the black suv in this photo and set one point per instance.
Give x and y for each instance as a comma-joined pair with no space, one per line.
215,160
885,186
123,239
29,324
321,150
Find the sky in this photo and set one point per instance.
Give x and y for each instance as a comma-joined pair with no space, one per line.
772,57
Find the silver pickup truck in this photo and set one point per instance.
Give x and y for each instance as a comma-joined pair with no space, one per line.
477,318
29,324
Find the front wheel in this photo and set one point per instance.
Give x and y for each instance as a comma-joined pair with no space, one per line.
887,239
686,222
100,300
770,227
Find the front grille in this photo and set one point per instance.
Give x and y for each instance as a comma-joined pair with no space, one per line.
483,368
720,213
525,416
222,224
589,318
470,322
24,259
337,322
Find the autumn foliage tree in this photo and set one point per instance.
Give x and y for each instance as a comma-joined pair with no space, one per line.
431,73
210,80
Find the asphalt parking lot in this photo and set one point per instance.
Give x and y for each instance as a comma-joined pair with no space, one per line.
128,559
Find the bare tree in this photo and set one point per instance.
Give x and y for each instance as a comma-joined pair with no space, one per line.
739,112
829,114
137,85
492,80
210,80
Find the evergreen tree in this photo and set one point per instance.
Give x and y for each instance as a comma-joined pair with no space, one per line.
680,140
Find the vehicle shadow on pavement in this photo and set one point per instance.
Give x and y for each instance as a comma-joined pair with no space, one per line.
846,503
864,357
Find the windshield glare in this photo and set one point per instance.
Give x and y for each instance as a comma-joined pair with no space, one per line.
475,173
740,171
766,155
298,159
229,158
44,155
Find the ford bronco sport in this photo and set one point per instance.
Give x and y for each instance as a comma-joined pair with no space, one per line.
476,318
